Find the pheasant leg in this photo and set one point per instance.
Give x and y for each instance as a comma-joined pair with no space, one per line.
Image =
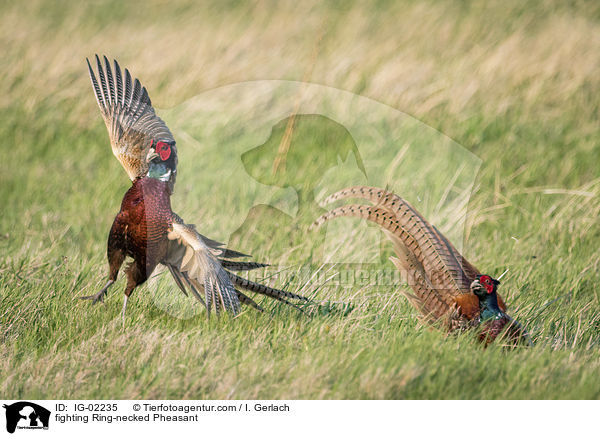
100,295
135,277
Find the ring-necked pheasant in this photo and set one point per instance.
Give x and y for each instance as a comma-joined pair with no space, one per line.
446,288
146,229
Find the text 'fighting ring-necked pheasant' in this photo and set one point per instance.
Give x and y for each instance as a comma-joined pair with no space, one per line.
146,229
446,288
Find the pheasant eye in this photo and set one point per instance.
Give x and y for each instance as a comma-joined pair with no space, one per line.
163,150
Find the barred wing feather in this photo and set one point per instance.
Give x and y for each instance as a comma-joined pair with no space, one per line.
193,265
129,116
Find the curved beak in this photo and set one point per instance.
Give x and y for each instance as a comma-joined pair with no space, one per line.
151,155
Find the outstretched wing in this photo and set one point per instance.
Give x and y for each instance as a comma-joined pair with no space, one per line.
178,266
129,117
192,263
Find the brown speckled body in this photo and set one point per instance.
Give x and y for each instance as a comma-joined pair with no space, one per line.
140,230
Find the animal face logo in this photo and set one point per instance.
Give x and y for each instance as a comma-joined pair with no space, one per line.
26,415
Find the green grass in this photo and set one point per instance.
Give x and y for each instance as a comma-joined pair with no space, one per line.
515,85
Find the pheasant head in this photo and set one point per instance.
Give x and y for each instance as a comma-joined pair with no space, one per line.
162,161
484,287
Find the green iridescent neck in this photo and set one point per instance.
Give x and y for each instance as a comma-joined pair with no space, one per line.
488,307
159,171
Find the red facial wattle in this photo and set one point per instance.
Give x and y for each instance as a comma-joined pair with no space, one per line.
488,283
163,150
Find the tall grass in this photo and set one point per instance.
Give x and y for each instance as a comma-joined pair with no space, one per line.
514,83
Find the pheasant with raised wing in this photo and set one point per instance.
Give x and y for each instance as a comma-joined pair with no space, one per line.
146,229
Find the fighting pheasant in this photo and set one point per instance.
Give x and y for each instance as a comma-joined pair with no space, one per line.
146,229
446,288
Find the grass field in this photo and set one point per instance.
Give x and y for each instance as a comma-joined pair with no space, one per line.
516,85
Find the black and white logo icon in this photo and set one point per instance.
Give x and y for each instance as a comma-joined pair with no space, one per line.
26,415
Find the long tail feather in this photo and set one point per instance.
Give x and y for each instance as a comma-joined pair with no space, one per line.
244,299
458,270
241,266
263,289
436,298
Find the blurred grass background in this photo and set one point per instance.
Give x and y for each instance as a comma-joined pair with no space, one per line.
515,83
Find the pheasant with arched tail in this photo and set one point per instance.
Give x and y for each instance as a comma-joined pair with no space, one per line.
446,288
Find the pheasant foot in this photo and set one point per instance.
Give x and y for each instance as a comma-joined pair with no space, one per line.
100,295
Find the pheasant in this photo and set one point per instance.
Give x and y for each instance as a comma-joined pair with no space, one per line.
146,229
446,288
